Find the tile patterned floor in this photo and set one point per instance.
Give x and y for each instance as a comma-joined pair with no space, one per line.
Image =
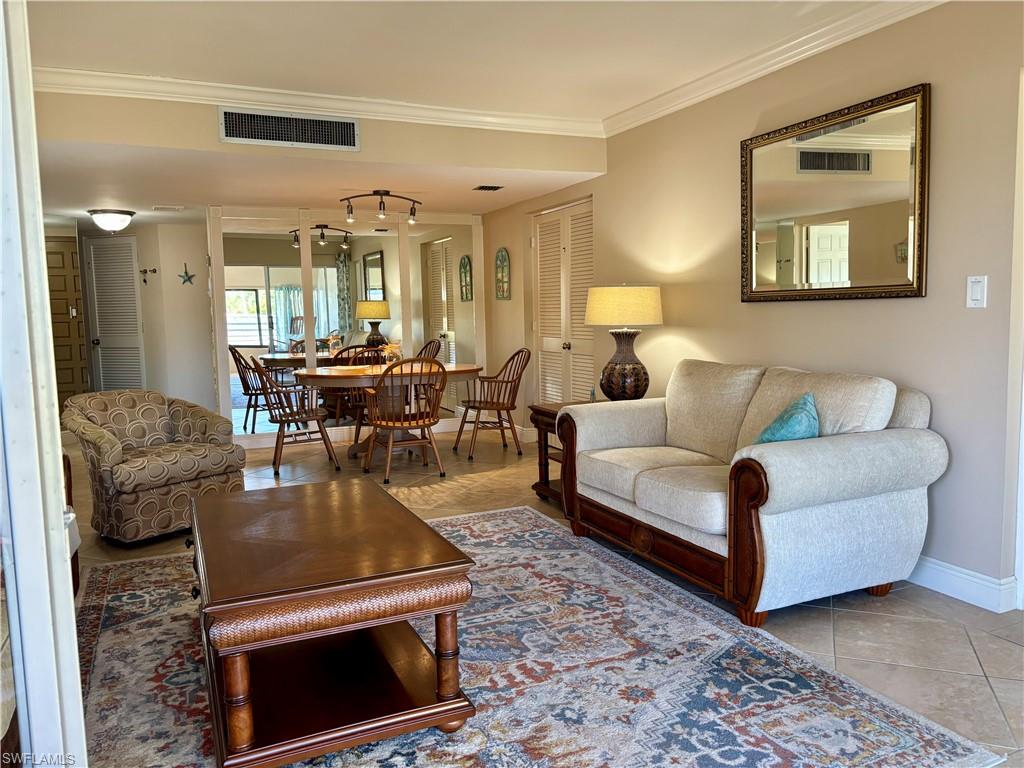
957,664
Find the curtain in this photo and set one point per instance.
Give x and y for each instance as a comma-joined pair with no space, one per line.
285,303
343,262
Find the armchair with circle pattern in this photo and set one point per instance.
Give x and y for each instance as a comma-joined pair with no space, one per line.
149,456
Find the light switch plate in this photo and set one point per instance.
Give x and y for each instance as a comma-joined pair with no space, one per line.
977,291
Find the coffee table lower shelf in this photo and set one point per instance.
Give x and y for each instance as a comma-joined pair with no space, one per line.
317,696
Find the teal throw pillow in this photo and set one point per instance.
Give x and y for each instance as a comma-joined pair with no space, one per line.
798,422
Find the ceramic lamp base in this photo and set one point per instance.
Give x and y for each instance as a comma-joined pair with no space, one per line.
375,338
624,377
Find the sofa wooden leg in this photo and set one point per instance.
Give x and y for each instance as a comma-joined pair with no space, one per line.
751,618
879,591
578,529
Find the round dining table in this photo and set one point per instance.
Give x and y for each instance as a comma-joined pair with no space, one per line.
356,376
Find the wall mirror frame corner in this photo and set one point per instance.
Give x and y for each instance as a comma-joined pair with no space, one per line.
865,166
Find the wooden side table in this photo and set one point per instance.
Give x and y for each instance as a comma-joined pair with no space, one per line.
542,416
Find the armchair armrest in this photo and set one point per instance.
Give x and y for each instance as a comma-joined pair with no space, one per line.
807,473
101,447
621,424
195,424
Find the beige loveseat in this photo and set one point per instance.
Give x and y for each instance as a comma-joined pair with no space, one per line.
678,480
148,457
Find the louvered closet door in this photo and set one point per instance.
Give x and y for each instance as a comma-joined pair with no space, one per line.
116,313
564,241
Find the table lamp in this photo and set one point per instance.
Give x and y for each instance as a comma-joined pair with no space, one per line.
624,377
374,312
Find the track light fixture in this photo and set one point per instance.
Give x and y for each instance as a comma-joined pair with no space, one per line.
382,211
323,229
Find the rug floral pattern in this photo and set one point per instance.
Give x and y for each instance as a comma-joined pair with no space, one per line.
573,656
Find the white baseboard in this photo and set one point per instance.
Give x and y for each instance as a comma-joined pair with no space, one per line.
997,595
347,434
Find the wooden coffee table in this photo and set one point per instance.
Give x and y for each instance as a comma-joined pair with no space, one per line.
305,592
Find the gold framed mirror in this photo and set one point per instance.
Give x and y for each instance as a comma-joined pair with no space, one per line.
835,207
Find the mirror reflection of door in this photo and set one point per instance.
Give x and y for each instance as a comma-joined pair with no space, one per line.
373,276
828,249
441,309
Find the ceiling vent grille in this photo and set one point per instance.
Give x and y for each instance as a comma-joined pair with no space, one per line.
819,132
288,129
816,161
487,188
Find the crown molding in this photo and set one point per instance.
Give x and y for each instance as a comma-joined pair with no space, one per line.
857,24
92,83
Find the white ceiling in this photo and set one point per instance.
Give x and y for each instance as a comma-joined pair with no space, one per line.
76,176
567,59
617,62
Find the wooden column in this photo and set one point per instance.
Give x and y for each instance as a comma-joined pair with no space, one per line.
446,652
237,702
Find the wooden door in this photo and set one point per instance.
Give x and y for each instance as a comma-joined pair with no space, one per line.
67,321
115,313
564,243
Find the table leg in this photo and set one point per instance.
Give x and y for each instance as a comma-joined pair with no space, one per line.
446,653
237,702
543,467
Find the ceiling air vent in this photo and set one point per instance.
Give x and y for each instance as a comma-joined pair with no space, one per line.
288,129
381,229
821,161
487,188
819,132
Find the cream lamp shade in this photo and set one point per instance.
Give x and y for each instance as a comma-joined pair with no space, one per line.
624,305
372,310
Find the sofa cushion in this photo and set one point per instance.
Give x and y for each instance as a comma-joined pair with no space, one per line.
615,470
694,496
846,402
136,417
705,404
912,410
171,463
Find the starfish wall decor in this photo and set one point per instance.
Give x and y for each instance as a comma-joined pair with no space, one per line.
186,276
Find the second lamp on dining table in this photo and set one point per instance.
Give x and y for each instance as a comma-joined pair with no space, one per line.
624,377
373,312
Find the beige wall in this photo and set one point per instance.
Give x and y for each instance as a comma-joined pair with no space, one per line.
177,326
668,212
188,326
179,125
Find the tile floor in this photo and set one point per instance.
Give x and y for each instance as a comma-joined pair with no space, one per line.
957,664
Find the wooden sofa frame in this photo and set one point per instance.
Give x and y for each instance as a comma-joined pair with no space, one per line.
736,577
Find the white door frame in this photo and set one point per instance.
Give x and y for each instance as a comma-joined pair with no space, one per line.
35,545
1015,404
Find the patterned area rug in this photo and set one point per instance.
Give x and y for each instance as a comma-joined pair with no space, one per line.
573,656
